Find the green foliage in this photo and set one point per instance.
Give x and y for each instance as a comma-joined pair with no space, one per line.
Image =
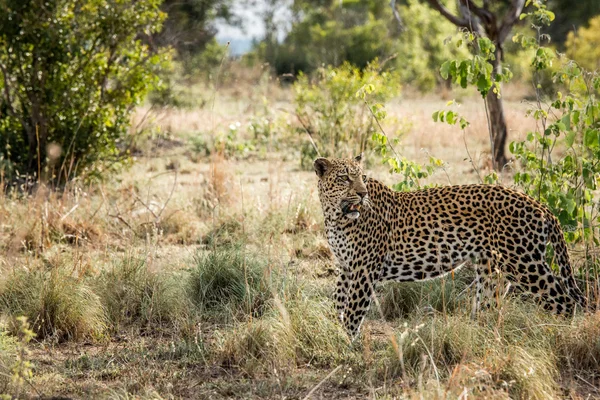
208,61
476,70
332,32
584,45
8,350
560,161
71,73
420,47
15,367
188,28
568,17
332,108
413,173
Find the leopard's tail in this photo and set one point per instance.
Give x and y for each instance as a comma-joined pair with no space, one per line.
561,257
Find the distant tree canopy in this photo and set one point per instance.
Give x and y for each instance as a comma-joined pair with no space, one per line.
189,24
583,45
570,15
330,32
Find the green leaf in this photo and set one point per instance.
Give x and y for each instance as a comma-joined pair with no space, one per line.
451,117
590,138
566,121
445,69
570,138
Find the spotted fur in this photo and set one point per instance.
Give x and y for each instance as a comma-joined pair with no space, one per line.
378,235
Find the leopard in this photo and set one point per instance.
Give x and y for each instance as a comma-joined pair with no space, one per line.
377,235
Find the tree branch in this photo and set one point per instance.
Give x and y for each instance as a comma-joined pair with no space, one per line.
397,14
460,22
510,18
485,15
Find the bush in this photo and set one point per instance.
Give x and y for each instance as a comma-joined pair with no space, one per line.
583,46
58,303
72,73
7,356
559,165
340,122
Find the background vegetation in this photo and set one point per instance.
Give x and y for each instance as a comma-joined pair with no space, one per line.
160,231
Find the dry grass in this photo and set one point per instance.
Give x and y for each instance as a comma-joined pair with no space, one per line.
204,277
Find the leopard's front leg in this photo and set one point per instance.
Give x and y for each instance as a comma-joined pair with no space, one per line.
362,288
341,292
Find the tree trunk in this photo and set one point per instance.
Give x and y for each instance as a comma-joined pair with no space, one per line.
498,129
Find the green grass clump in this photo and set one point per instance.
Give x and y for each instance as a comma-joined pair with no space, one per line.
135,296
251,347
297,328
508,351
230,280
399,300
226,233
57,303
309,327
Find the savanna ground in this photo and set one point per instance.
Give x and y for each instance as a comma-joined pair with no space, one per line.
195,275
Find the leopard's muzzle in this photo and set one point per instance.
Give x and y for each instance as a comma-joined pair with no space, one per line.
351,209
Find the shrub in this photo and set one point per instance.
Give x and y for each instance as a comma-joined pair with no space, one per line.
8,350
58,303
136,296
338,120
72,73
208,61
559,164
583,45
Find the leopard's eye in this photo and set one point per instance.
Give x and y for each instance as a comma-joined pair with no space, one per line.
364,178
343,178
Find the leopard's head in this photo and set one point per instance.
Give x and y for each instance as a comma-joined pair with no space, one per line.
342,187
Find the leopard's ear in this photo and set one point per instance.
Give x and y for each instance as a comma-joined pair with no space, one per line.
321,166
358,158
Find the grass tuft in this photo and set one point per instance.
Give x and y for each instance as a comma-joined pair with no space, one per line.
136,296
502,351
250,347
399,300
58,303
232,280
578,345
